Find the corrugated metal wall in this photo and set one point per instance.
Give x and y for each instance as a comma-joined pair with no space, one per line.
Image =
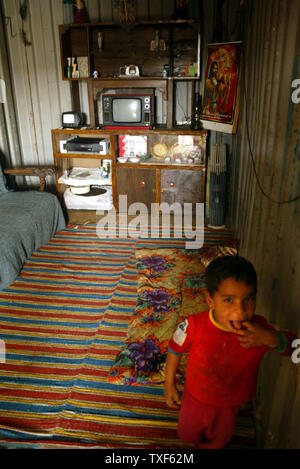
39,93
269,233
9,144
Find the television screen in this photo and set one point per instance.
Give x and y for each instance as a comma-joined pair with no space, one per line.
127,110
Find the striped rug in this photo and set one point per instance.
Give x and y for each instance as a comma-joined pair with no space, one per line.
63,321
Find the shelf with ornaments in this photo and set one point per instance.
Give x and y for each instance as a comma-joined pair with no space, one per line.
162,49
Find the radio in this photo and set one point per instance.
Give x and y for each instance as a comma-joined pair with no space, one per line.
132,71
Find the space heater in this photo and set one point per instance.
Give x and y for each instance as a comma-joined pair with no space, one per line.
217,186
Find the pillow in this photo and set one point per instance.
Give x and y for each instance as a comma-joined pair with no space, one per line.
3,188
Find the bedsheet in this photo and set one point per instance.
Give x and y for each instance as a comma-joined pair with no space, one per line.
27,221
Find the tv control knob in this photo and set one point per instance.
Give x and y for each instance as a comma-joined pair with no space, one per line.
147,106
147,100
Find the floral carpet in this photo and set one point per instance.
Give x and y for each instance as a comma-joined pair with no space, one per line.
170,286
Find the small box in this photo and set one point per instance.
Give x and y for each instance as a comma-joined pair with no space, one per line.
83,67
133,145
191,69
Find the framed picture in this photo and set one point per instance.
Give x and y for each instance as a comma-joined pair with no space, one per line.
124,11
220,96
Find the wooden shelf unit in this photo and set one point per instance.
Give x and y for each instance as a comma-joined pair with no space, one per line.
151,45
148,44
178,44
146,182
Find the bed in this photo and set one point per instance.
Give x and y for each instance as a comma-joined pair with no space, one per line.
73,323
28,219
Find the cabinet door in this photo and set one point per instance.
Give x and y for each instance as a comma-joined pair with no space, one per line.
138,184
183,186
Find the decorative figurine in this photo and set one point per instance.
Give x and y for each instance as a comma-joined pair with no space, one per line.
80,15
196,119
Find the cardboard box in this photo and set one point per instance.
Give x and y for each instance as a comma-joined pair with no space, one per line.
133,145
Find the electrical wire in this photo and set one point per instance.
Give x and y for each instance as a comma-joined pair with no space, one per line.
279,202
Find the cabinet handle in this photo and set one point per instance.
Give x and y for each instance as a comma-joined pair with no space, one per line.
171,185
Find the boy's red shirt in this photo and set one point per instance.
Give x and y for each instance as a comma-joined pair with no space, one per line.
220,372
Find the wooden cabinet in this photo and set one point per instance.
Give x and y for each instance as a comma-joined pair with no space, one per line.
149,181
153,47
138,184
150,186
182,186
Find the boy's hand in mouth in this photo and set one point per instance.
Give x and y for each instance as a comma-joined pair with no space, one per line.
253,335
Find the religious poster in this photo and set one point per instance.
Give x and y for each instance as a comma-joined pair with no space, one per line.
221,83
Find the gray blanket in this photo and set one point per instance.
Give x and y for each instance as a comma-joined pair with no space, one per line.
27,221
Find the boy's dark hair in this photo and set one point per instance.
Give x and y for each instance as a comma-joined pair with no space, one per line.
229,266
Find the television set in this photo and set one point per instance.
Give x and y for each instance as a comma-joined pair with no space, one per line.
128,110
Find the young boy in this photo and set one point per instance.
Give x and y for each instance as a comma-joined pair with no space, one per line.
226,345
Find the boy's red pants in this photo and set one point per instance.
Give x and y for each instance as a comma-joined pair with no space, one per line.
205,426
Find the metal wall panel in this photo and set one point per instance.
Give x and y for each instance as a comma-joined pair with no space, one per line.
269,232
9,139
39,93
